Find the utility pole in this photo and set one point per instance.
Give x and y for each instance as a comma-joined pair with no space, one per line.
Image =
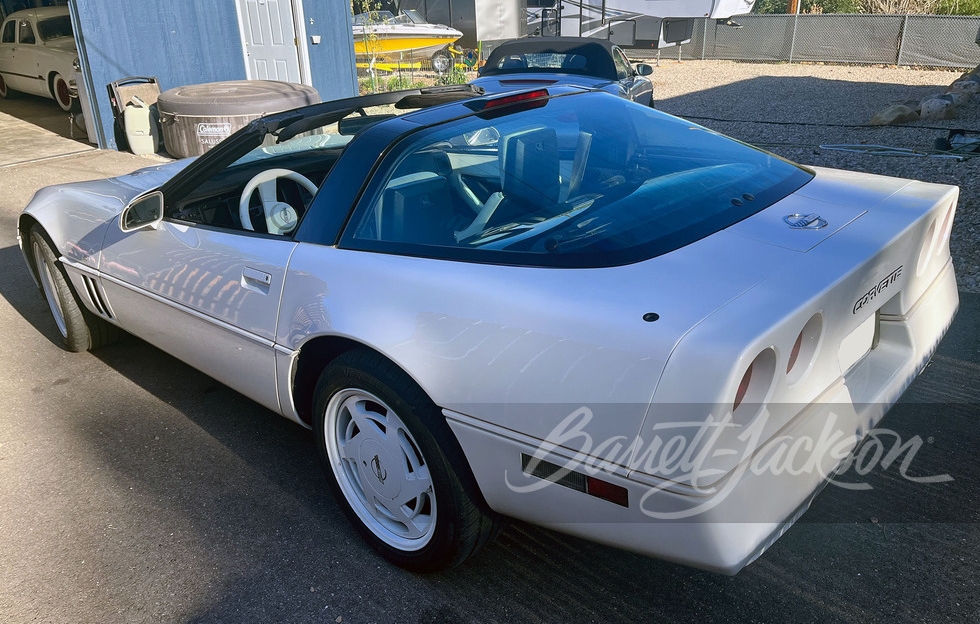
794,7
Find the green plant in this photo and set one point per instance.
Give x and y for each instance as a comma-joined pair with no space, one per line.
456,75
958,7
397,83
371,41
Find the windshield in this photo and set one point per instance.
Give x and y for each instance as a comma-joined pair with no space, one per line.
410,16
54,28
373,18
568,57
584,180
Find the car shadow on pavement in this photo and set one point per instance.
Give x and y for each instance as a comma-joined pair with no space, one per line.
19,290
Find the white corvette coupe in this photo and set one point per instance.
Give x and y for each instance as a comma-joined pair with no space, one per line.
555,305
37,54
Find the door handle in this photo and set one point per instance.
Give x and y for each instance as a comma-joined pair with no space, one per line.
254,277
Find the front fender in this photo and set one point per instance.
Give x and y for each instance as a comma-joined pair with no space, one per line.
75,216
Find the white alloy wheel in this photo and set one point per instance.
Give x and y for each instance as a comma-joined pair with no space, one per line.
395,467
380,470
79,329
48,286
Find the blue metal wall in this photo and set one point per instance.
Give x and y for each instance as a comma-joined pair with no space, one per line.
332,60
184,43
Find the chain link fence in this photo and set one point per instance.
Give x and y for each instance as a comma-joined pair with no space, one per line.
922,40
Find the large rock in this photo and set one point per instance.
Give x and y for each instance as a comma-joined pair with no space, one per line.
894,114
958,97
935,109
971,87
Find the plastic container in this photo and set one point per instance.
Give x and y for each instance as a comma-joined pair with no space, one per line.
195,118
141,129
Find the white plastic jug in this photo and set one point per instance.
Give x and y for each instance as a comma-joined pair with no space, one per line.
141,129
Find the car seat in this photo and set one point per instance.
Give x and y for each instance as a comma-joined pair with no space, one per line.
530,180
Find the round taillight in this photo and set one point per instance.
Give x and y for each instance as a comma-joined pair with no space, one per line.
928,247
794,353
743,387
754,387
943,239
804,350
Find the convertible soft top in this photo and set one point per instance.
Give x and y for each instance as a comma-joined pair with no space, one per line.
585,56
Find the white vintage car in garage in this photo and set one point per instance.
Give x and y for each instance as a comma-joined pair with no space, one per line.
555,305
37,52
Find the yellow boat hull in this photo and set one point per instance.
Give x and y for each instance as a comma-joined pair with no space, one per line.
381,45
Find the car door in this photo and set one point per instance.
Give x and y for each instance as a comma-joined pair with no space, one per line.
8,50
25,61
207,295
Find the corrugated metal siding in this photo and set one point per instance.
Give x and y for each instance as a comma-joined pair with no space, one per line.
184,43
332,60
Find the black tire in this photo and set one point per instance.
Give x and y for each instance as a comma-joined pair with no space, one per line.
80,329
452,517
4,89
442,62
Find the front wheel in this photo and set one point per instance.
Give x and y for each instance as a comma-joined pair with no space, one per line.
395,466
79,329
4,90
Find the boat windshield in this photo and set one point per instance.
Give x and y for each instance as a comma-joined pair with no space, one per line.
411,16
408,16
374,17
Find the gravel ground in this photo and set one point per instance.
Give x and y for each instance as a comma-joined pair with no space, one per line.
797,111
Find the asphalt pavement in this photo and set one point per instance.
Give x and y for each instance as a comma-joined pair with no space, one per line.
136,489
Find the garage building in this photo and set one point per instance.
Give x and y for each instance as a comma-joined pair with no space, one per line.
181,43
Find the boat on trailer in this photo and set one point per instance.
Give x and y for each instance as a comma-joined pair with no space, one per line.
384,34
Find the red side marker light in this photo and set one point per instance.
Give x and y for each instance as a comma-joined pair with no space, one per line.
607,491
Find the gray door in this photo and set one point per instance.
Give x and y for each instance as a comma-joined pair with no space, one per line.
270,39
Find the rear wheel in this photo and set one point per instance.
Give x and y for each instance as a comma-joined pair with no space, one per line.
80,330
396,467
3,87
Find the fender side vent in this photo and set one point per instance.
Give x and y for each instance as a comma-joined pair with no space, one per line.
96,296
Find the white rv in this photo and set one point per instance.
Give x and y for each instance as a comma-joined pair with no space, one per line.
630,23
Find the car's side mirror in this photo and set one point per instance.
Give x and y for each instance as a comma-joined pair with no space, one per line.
642,69
146,210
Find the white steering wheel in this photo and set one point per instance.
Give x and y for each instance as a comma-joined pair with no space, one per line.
280,217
